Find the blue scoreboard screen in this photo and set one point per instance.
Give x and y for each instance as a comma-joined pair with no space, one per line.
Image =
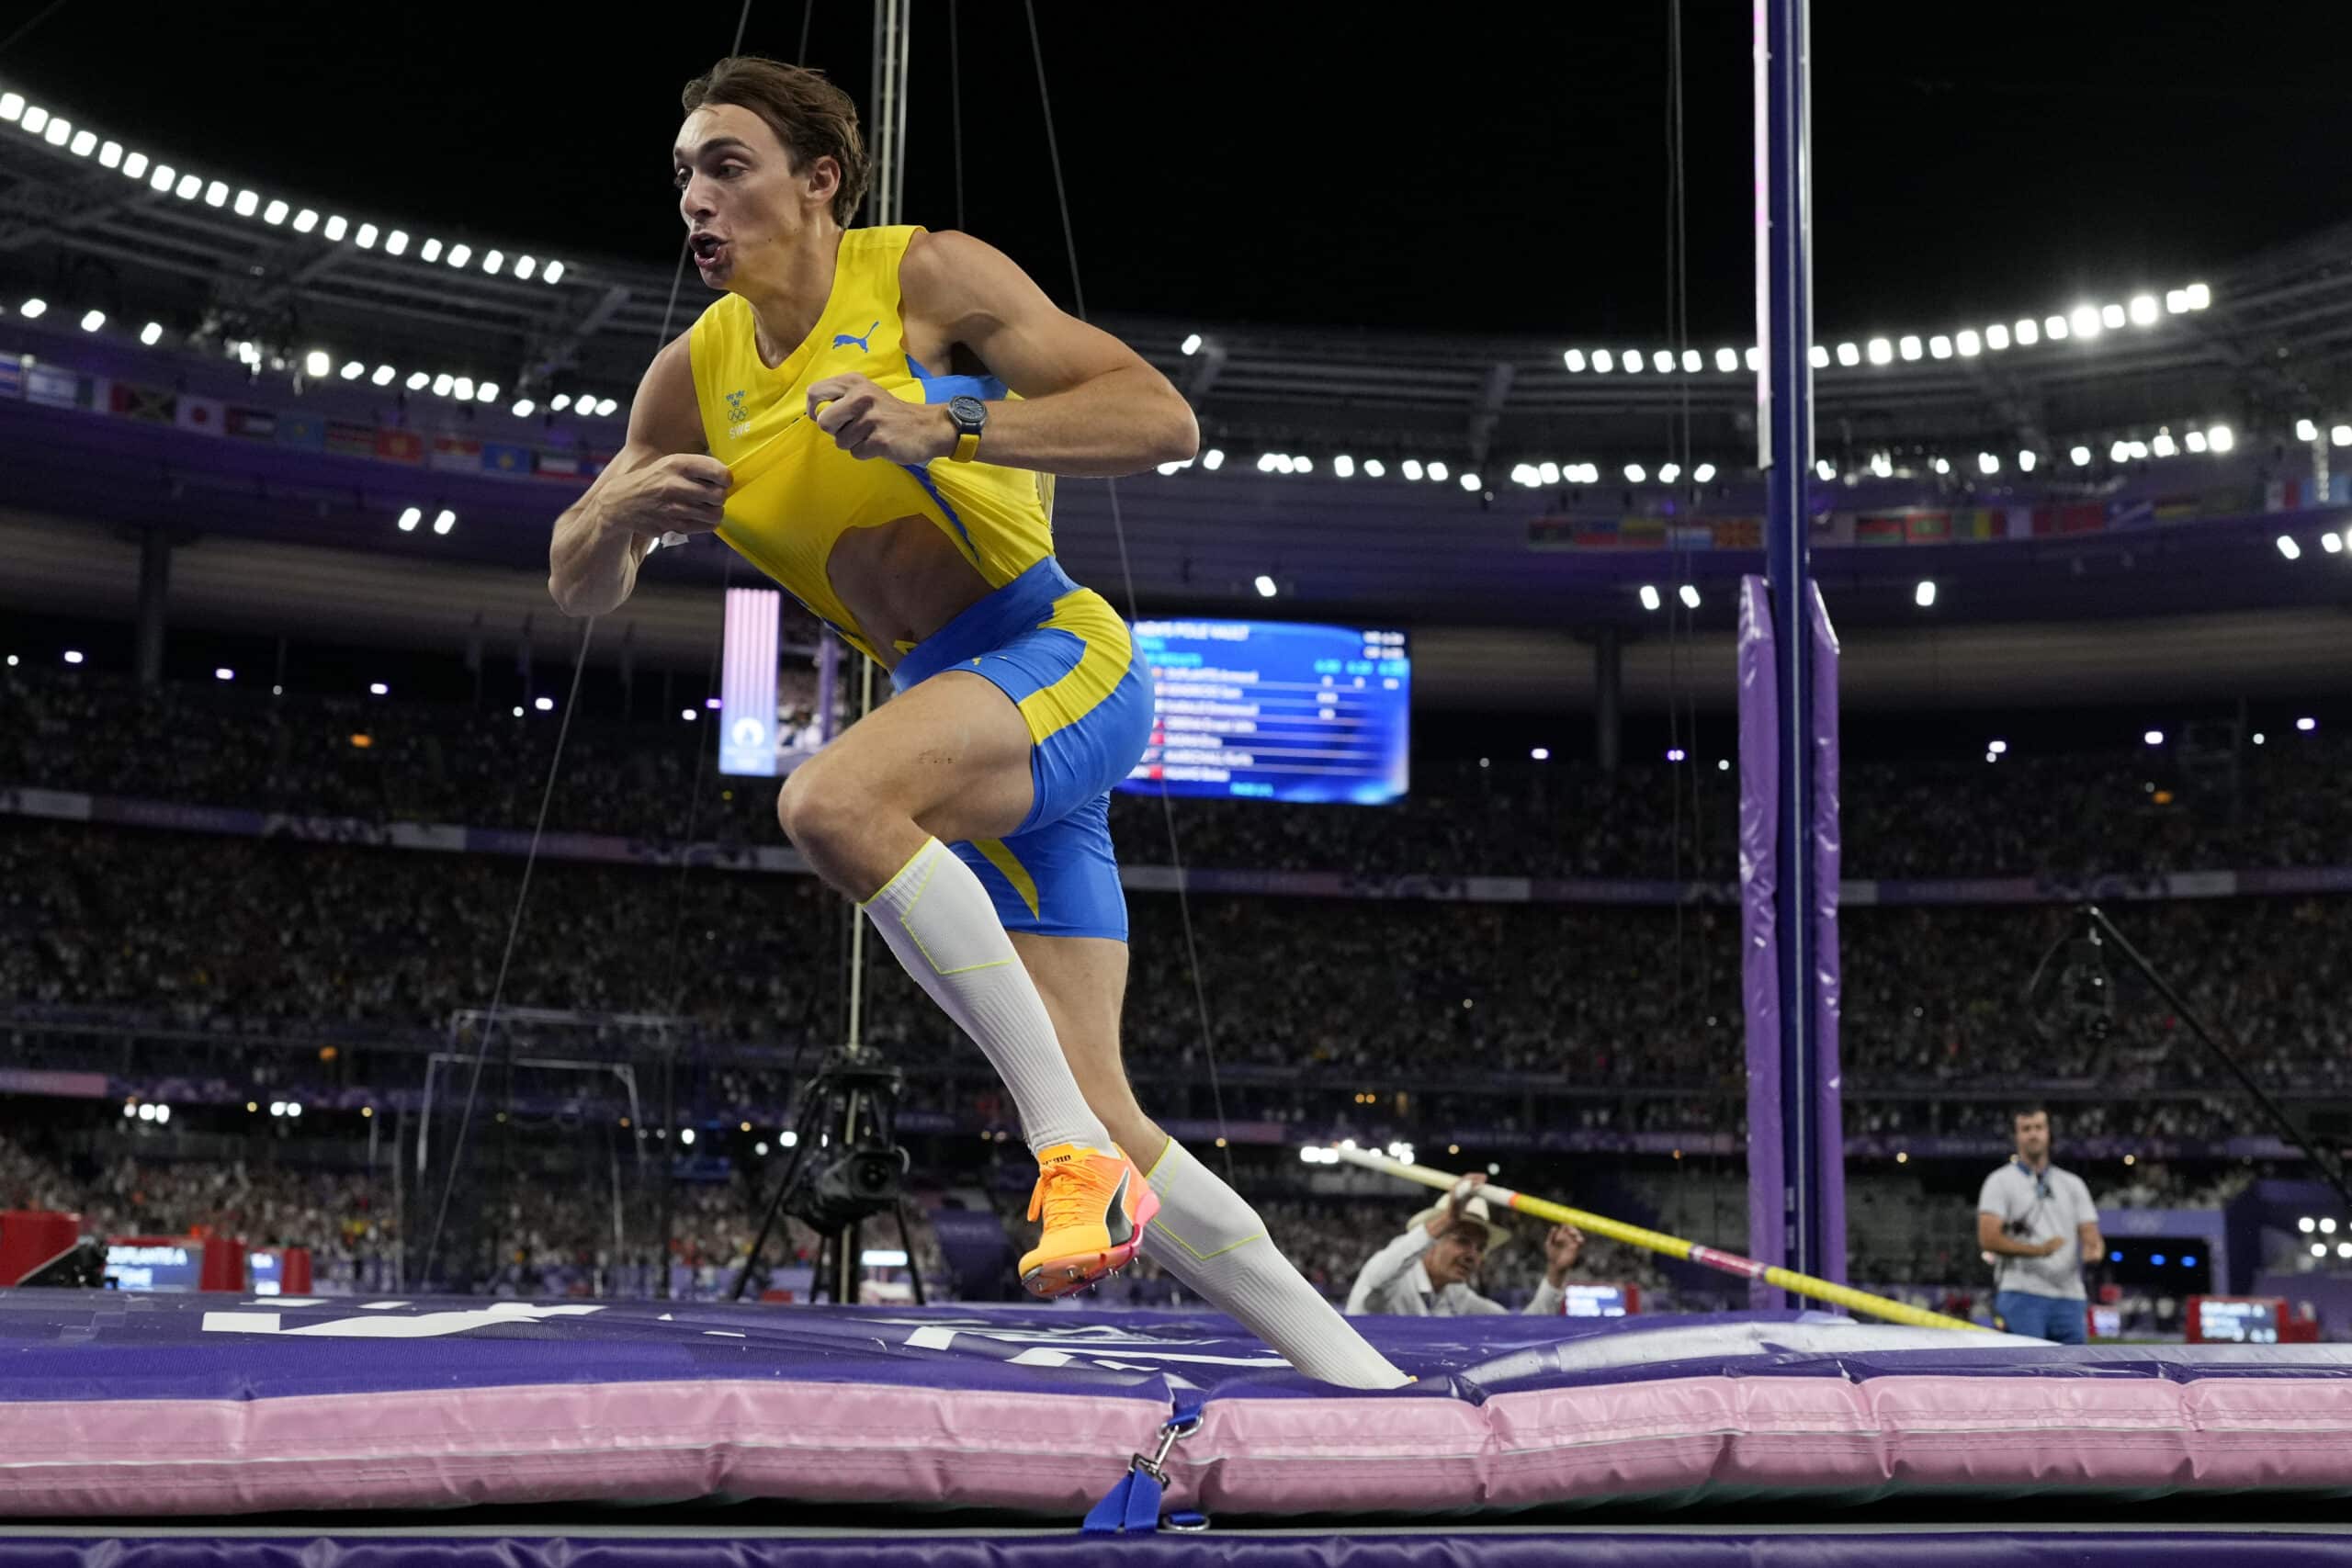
1275,710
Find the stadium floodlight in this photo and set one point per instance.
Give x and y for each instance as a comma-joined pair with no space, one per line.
1925,594
1941,465
1967,342
2112,316
2055,328
1881,464
152,334
2194,441
1540,754
2142,309
493,261
430,250
1819,355
1573,360
2319,1249
462,389
2154,738
546,705
1727,360
1297,465
1692,361
417,380
12,107
1754,358
1998,748
518,710
1266,589
460,255
2305,430
33,309
1436,471
190,189
2287,547
1635,473
2120,452
1603,362
216,194
93,319
2199,296
1470,483
73,656
554,273
2138,448
396,242
335,229
2026,461
487,392
2327,1227
58,132
2026,333
2081,456
159,178
317,364
1668,472
1548,473
1526,474
523,407
352,370
86,142
525,266
686,713
410,519
1909,346
275,213
2332,542
1940,347
1849,354
1373,466
2220,437
1688,595
446,521
1212,459
1827,469
2307,725
1631,360
1881,351
1650,600
606,407
2085,321
32,117
1986,463
306,220
222,673
378,689
1997,336
383,376
2340,435
562,400
2307,1224
442,383
366,237
1702,473
2162,446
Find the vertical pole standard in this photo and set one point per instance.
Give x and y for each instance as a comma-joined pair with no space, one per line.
1784,424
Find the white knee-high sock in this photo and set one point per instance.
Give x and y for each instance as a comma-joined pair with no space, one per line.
937,917
1217,1244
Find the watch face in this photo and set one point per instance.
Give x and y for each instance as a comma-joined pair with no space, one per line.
967,412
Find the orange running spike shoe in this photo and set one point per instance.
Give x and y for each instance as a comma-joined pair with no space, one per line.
1095,1206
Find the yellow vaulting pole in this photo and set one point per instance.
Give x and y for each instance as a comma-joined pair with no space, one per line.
1671,1246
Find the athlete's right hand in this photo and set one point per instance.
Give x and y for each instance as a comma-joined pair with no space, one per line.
679,492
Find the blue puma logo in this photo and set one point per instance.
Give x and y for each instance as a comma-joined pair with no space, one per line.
842,338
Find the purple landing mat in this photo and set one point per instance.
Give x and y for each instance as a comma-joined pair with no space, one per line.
2247,1547
114,1405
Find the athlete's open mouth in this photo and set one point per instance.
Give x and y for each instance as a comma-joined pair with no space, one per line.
706,248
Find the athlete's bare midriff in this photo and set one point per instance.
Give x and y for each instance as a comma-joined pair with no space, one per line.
901,582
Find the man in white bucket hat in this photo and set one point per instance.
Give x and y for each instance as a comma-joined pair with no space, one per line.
1427,1271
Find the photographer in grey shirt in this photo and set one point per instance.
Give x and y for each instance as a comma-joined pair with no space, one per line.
1427,1271
2037,1225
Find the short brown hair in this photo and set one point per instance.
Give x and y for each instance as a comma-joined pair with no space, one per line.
811,116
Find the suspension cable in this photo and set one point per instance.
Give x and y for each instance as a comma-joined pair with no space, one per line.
1127,576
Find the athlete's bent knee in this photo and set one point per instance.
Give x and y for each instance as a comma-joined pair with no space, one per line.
816,815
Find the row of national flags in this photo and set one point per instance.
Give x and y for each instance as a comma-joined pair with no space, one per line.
54,386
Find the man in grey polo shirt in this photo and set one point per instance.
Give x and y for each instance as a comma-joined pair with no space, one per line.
1426,1272
2037,1223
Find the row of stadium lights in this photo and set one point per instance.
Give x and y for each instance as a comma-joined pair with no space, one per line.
320,365
2308,1225
35,120
2083,323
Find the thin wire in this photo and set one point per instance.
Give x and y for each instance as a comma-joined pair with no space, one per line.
1127,576
43,15
555,763
506,959
807,15
955,108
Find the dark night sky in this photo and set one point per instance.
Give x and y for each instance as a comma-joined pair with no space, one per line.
1489,168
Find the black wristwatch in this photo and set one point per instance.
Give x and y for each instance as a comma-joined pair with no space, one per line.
970,417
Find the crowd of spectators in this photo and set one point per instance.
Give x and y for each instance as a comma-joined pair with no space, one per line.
2184,806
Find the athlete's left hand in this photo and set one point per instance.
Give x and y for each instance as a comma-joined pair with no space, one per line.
866,422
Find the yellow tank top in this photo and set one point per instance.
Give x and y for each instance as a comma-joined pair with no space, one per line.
794,493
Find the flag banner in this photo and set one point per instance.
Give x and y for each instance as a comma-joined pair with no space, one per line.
50,386
207,415
456,453
556,464
306,431
151,405
254,425
2074,517
1927,527
351,440
1689,536
499,458
1878,529
1738,533
12,377
400,446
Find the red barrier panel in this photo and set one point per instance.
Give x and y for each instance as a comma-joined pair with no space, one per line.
32,1239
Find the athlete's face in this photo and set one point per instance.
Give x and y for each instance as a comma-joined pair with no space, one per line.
743,203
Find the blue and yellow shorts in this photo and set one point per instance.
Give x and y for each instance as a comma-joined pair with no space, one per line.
1065,658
